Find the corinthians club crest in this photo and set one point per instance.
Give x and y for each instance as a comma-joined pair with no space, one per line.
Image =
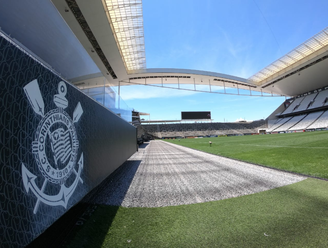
55,148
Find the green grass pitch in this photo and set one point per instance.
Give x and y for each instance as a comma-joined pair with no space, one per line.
291,216
305,153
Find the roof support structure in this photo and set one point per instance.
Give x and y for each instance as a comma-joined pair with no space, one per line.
222,92
126,20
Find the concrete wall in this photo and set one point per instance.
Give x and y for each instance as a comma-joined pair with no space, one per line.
56,144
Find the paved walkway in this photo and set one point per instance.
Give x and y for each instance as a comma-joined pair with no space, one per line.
164,174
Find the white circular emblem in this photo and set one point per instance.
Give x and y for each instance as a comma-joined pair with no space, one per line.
57,146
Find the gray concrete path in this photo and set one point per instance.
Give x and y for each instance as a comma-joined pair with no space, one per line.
164,174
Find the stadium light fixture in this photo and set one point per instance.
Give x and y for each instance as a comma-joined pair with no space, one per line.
126,20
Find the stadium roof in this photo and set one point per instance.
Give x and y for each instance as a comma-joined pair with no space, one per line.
126,20
101,42
309,48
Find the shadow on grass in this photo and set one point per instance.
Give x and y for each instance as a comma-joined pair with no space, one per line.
291,216
110,192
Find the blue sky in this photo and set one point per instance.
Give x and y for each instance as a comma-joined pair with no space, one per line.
236,37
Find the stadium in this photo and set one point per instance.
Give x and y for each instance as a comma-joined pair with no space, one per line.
81,168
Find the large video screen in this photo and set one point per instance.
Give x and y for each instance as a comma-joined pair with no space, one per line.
195,115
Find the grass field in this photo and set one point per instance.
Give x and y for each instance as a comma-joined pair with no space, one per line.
305,153
291,216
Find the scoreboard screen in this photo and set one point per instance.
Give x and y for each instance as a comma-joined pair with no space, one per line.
195,115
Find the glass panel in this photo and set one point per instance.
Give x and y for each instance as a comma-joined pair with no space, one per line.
107,97
127,23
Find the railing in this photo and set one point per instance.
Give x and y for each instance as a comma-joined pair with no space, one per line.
109,98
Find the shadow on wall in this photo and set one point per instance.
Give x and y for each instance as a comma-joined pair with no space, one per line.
110,192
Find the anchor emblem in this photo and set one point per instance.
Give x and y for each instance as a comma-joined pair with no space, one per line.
55,148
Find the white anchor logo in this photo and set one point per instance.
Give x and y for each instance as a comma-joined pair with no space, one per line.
57,163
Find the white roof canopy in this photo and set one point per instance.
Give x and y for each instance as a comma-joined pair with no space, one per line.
313,46
126,20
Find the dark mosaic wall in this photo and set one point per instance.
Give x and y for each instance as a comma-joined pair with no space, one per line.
56,144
